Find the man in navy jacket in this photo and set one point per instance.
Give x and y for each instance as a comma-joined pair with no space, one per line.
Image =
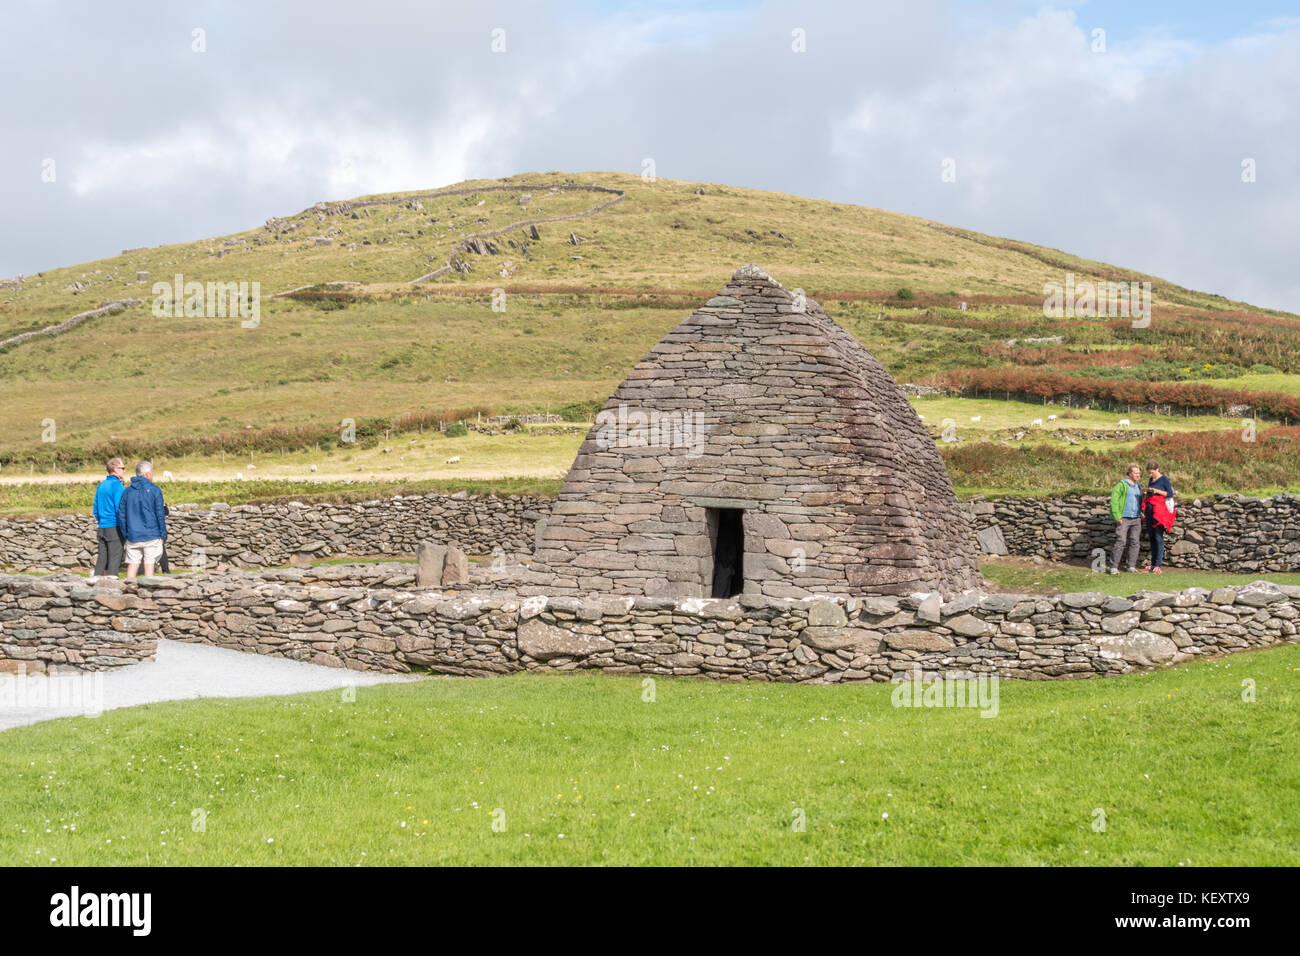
142,521
108,540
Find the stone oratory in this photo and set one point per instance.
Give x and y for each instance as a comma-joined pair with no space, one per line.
758,449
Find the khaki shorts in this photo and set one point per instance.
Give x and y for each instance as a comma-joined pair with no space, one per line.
144,552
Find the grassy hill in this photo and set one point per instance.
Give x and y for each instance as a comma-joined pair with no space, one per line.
586,295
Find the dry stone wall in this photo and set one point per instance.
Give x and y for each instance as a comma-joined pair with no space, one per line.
1214,533
1220,533
824,640
250,536
44,622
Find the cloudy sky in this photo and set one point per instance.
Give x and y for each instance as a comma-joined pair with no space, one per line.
1125,145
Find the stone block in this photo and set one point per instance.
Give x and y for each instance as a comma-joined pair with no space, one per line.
1120,623
544,641
967,625
929,610
1138,647
430,561
913,640
455,568
826,614
991,541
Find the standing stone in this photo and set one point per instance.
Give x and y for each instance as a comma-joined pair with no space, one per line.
430,562
991,540
456,568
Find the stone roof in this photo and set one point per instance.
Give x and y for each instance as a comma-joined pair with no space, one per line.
758,401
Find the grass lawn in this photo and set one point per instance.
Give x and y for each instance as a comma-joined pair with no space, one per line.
583,771
1258,382
995,414
1018,574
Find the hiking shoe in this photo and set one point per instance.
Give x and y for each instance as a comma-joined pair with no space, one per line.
1114,570
1157,571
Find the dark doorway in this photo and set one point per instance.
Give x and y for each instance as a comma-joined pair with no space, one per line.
727,533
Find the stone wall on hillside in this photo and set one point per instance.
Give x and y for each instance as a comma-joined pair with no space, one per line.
278,534
1220,533
824,640
44,623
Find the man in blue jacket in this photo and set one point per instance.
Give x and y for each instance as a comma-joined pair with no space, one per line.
108,540
141,520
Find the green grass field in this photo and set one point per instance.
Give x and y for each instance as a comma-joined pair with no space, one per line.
1266,382
1016,574
580,769
997,415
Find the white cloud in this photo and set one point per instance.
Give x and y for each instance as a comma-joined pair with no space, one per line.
1131,156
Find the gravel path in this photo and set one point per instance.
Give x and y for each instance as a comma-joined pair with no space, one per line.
180,672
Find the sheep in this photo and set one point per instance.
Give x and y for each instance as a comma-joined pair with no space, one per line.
1051,418
454,459
976,418
1124,423
1036,423
313,467
239,476
168,476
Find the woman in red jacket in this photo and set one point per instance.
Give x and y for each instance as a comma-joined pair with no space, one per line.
1157,514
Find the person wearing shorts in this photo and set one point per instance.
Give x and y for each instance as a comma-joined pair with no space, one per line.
143,522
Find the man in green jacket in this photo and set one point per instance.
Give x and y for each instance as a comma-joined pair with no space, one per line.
1124,498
